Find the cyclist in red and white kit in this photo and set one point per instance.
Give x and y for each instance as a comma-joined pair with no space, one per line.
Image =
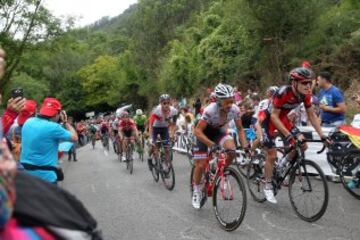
286,99
211,133
162,122
127,129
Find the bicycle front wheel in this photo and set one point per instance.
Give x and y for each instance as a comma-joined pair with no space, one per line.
350,174
168,177
155,168
229,199
256,179
308,191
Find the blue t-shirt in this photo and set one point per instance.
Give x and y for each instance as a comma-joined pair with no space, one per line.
39,145
331,97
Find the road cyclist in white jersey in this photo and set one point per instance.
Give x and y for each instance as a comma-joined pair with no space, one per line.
211,133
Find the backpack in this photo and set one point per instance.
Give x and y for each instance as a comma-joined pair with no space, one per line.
42,204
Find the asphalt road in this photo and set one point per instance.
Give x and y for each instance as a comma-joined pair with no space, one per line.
135,207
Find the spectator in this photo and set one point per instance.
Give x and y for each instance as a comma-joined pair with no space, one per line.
40,140
247,117
14,106
249,93
72,151
238,97
197,106
15,136
356,119
332,105
81,131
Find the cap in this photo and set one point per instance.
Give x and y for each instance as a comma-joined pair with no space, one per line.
50,107
28,111
306,64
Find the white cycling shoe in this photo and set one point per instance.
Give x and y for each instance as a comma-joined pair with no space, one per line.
269,195
196,199
123,158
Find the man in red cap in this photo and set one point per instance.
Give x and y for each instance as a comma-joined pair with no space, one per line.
40,140
28,112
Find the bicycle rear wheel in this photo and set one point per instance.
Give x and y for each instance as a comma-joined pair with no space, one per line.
229,199
350,173
308,191
255,178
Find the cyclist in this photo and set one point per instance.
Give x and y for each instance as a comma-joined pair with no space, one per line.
127,129
211,132
261,114
162,122
104,130
286,99
140,119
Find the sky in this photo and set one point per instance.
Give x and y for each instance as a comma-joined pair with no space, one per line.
87,11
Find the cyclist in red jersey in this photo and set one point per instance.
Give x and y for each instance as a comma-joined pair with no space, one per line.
127,129
286,99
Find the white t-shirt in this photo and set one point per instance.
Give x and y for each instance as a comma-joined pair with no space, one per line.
356,121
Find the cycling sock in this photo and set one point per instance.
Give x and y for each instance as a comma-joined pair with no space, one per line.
197,188
268,185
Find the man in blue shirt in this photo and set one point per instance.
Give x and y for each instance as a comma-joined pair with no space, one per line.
41,137
332,102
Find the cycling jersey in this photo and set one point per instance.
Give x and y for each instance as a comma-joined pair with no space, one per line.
140,120
263,106
126,125
104,128
212,117
286,100
161,119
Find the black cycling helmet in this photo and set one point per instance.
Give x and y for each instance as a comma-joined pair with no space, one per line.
300,74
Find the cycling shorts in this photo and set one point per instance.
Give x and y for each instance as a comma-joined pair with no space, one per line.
217,135
128,133
163,132
141,128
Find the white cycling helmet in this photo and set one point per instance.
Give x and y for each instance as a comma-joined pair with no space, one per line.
139,112
223,91
272,90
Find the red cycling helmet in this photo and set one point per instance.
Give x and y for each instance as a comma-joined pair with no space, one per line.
300,74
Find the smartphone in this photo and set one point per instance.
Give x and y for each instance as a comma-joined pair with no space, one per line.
17,92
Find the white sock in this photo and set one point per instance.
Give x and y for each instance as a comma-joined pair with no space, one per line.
197,188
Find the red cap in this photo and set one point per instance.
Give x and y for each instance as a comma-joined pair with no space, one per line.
28,111
306,64
50,107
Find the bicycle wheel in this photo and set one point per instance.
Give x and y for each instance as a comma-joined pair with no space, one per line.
168,177
308,191
255,178
155,168
229,199
350,173
130,159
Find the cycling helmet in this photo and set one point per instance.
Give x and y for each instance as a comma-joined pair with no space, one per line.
164,97
272,90
124,114
223,91
300,74
139,112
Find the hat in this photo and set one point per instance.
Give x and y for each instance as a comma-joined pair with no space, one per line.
306,64
28,111
50,107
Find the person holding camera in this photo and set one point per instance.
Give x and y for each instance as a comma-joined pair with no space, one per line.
41,136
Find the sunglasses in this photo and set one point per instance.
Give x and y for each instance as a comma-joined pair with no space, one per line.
306,83
165,103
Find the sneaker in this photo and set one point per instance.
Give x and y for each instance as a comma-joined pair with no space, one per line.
123,158
196,199
269,195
